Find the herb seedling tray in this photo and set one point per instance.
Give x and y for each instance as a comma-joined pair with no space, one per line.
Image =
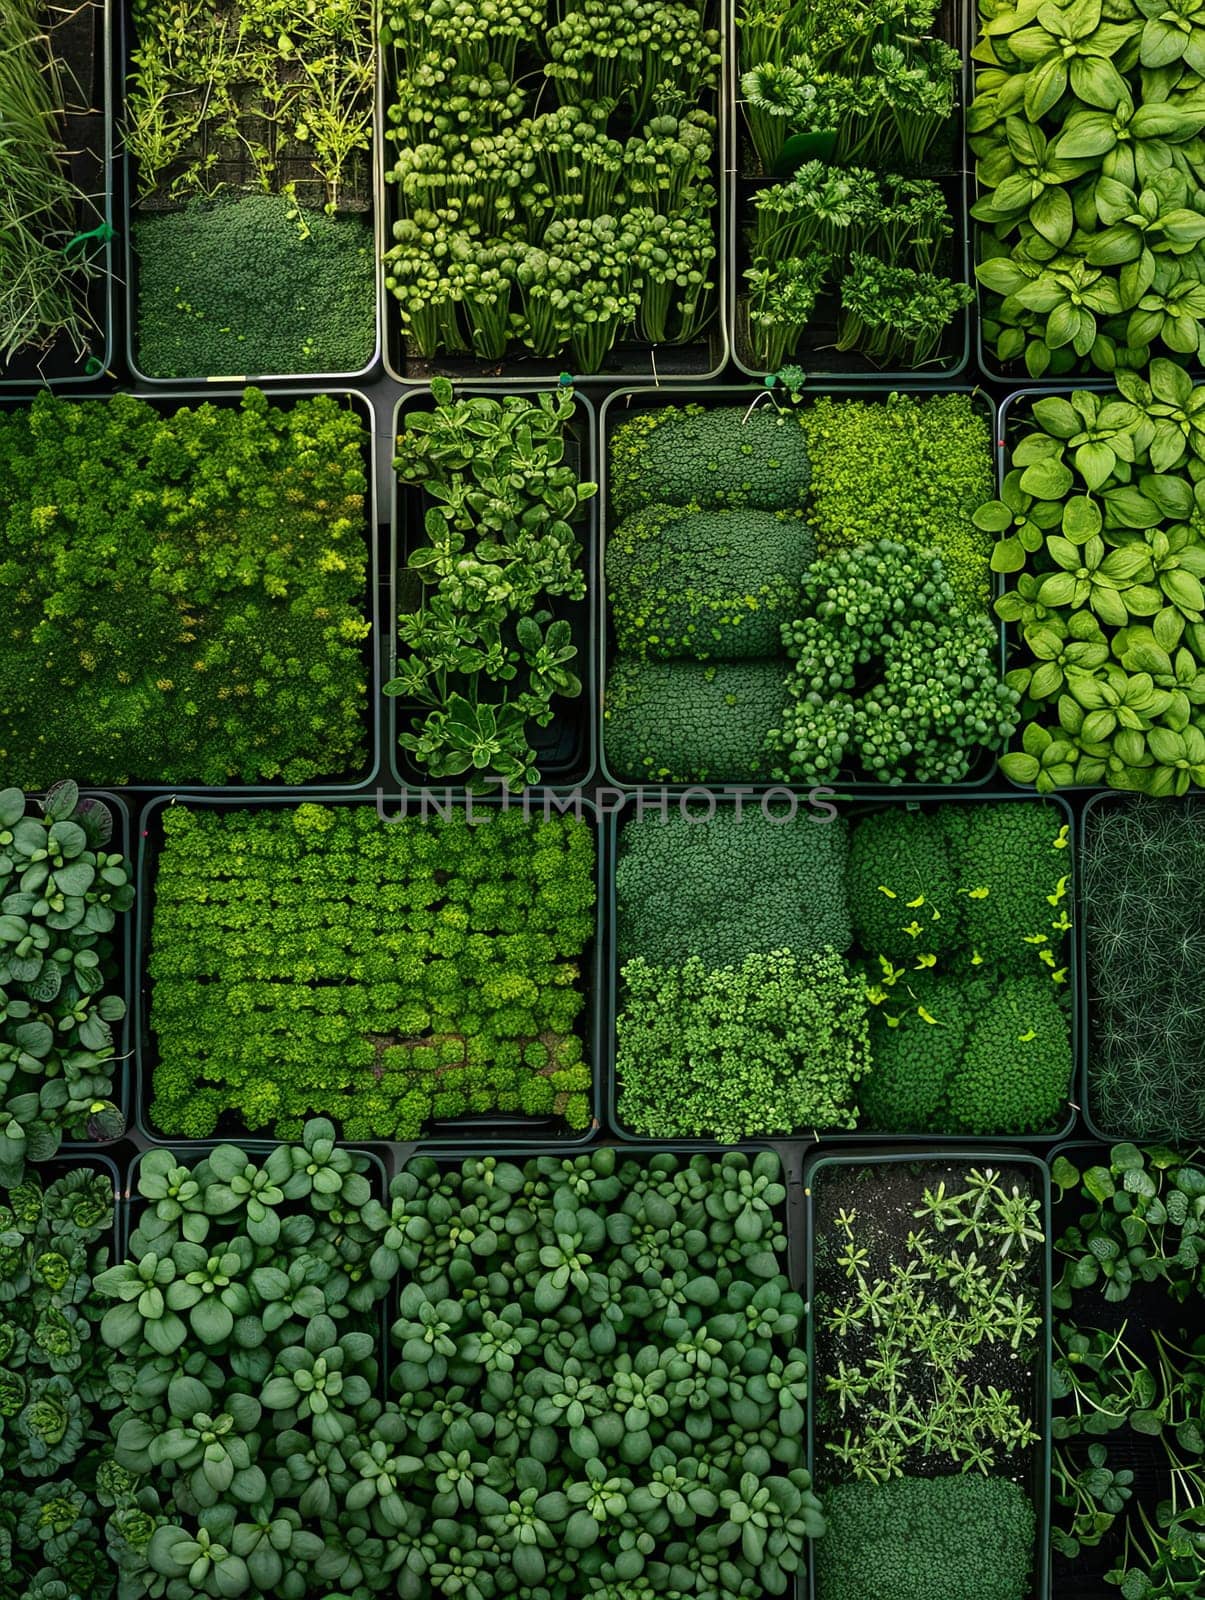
854,807
127,35
566,749
629,361
82,37
940,1158
467,1133
614,410
815,351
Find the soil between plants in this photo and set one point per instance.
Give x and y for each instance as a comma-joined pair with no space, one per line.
885,1195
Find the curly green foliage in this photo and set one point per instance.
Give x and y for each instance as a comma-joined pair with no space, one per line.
730,885
56,1384
253,285
186,592
635,1365
915,1058
705,584
61,893
773,1045
1012,863
1015,1074
885,682
1144,934
317,959
963,1537
901,874
724,456
905,469
692,721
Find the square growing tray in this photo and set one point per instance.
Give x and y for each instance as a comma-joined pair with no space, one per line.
854,807
468,1133
83,41
944,1155
615,409
815,351
127,39
565,750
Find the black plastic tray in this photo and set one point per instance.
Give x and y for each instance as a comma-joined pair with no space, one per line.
84,39
469,1133
566,749
854,807
612,413
126,40
939,1154
821,361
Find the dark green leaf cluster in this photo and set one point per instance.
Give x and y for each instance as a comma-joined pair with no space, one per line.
319,959
484,649
704,585
712,458
730,885
56,1385
772,1044
566,228
245,1333
1144,936
913,471
253,285
1086,128
888,677
1100,520
692,721
601,1377
951,1538
61,892
186,592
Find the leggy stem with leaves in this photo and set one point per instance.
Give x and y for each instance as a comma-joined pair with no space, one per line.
482,652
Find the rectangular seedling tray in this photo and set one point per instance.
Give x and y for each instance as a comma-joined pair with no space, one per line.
469,1133
944,1156
565,750
615,409
816,352
82,39
853,807
629,361
167,402
235,177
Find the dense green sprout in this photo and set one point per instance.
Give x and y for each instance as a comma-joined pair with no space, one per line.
184,594
774,1044
692,721
1017,853
724,456
901,874
318,959
252,285
951,1538
909,470
727,886
705,584
1015,1074
915,1059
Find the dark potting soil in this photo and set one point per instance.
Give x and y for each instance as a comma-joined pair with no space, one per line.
885,1195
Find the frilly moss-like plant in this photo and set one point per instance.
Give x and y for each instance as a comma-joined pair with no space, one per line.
771,1045
913,471
705,585
713,458
320,959
962,1537
692,721
61,893
186,592
730,885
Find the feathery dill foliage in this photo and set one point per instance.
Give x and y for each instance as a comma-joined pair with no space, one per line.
41,286
1143,866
